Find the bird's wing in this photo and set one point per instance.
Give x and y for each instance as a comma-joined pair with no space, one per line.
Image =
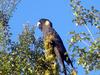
58,55
58,45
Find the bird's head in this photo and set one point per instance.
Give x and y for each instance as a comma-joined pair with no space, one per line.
44,23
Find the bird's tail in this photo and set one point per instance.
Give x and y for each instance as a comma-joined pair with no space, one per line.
60,60
64,68
73,72
70,62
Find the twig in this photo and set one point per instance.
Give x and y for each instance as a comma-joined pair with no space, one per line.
85,43
89,32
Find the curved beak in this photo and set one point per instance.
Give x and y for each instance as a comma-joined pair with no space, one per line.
37,24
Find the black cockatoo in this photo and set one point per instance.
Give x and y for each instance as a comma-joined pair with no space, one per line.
46,27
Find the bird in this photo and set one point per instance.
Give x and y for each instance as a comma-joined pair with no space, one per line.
46,27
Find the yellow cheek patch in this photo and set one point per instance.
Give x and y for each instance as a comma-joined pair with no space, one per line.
47,23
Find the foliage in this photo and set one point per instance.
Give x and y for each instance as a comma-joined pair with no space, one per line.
4,31
84,45
7,6
6,9
21,58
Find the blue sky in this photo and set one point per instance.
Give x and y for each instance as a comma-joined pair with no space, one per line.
58,11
